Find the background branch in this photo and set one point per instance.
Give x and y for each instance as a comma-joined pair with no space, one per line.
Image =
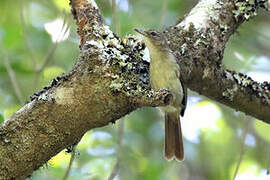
72,158
13,79
242,146
164,10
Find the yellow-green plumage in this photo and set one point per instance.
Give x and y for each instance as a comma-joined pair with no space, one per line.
164,74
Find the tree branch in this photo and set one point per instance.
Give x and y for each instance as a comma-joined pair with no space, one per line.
110,79
199,42
13,78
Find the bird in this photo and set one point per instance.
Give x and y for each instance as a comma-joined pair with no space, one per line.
165,74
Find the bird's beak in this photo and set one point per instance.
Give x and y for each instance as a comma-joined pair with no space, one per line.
140,31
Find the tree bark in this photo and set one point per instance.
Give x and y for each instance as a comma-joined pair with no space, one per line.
110,79
199,42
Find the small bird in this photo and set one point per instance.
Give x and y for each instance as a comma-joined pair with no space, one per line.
165,74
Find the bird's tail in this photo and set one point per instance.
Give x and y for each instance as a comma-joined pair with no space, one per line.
174,147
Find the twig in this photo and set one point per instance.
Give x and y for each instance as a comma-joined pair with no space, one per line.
242,148
268,163
116,24
47,58
119,142
34,61
50,53
163,12
114,171
70,162
13,79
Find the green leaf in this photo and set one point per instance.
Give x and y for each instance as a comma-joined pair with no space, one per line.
262,129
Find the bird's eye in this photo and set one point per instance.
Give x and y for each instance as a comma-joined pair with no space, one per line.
153,33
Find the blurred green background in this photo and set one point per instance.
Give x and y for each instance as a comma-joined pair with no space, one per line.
38,41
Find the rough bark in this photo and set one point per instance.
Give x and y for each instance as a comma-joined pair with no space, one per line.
199,42
110,79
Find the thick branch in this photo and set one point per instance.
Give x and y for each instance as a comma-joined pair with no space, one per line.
108,81
199,42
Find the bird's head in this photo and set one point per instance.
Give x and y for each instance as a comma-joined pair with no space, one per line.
152,36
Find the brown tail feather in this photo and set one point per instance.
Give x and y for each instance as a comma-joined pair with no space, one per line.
174,147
